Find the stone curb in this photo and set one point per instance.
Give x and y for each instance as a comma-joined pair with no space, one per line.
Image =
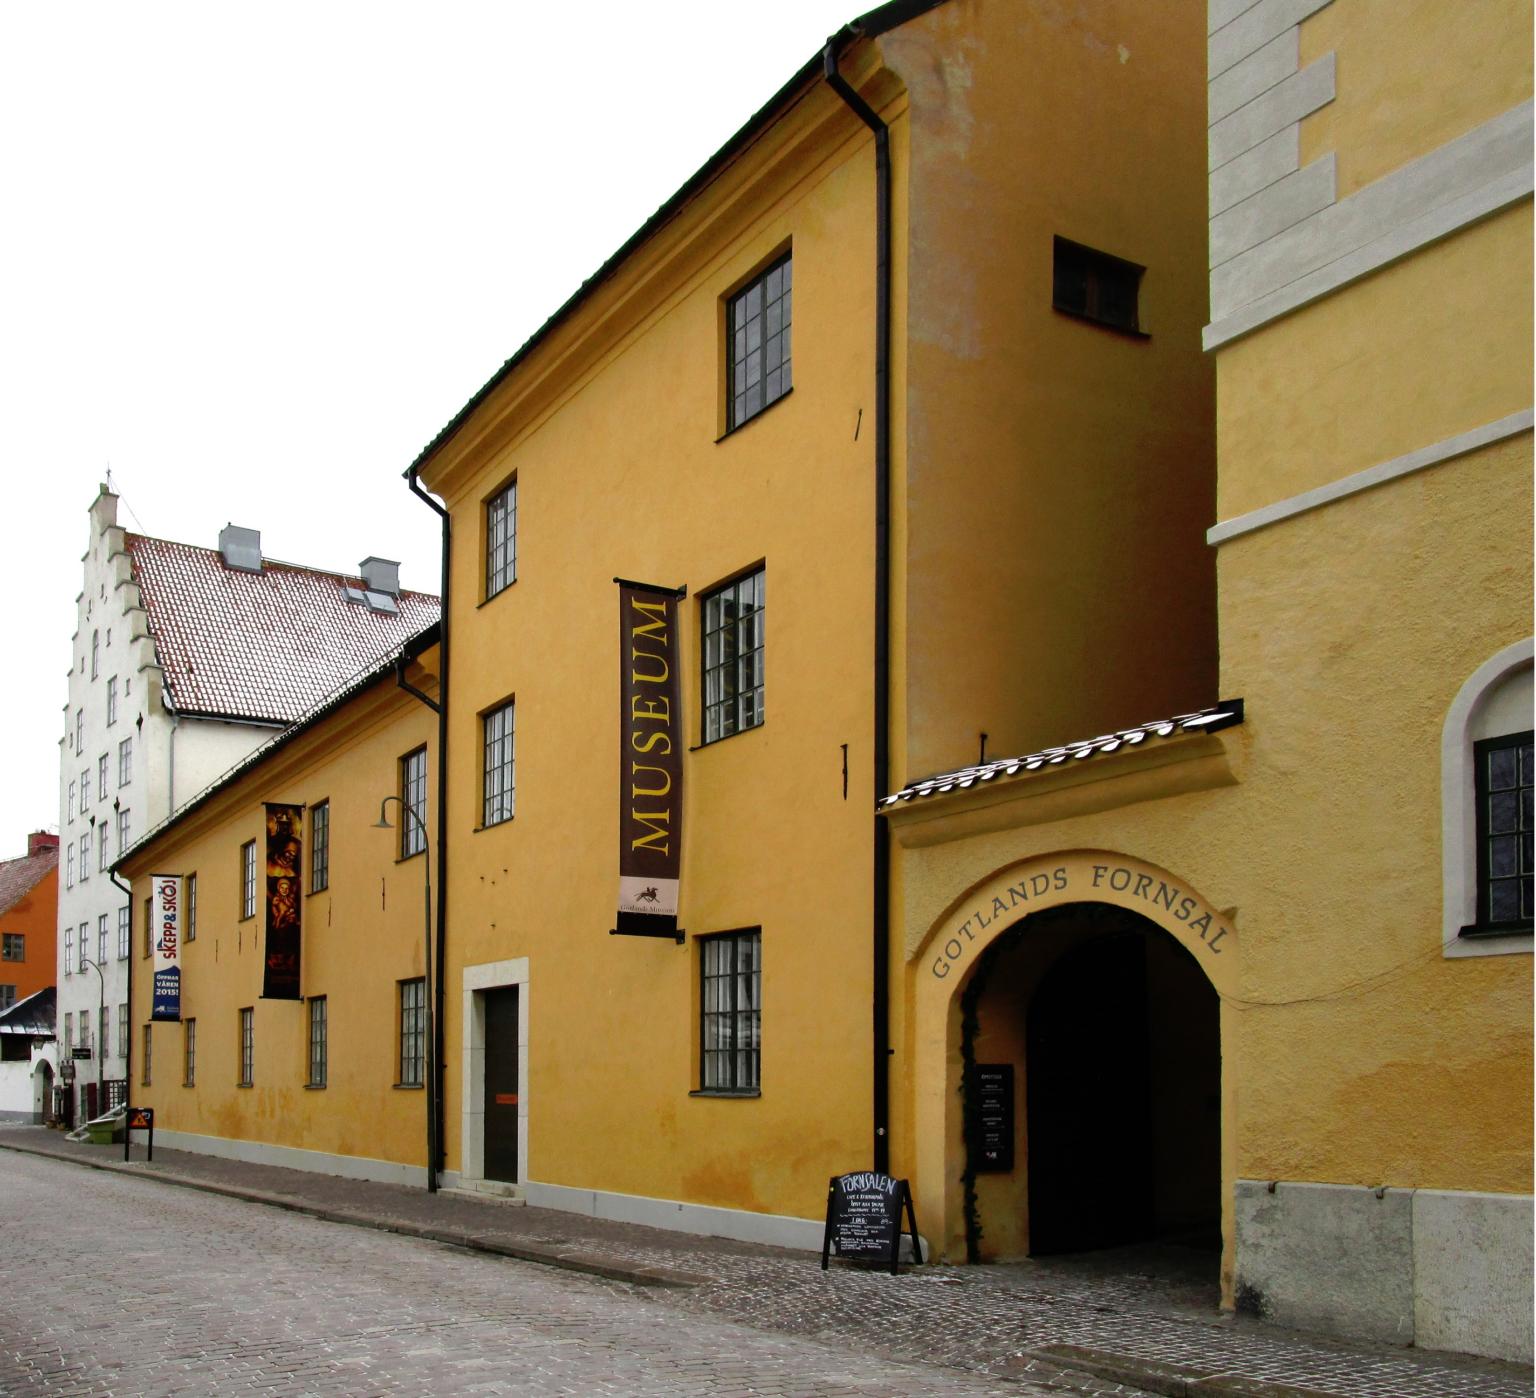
570,1260
1166,1378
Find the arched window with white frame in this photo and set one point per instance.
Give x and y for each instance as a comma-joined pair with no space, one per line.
1486,806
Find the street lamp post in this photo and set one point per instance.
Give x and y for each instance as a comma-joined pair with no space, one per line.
429,1042
101,1049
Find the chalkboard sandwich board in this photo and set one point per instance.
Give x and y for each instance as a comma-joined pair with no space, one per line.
864,1212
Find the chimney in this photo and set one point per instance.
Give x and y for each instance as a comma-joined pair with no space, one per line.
40,840
241,548
380,575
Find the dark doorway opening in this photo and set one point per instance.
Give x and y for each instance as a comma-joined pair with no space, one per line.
1123,1070
501,1101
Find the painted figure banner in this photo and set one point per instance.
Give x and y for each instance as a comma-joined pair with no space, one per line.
285,844
165,945
650,761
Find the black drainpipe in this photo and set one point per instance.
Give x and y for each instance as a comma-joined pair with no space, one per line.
882,847
435,1154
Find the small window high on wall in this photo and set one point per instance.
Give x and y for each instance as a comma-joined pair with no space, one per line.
1096,286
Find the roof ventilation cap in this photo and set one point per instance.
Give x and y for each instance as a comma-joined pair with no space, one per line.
240,548
381,575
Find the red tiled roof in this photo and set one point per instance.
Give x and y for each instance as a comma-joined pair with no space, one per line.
264,645
18,877
1210,720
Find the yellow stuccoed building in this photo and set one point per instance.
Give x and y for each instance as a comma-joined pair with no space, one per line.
1092,765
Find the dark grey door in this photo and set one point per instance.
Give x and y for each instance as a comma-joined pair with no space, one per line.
501,1084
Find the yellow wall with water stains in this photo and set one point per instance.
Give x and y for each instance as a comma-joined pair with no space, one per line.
361,936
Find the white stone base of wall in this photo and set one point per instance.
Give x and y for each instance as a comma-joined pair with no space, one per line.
1436,1268
777,1230
351,1167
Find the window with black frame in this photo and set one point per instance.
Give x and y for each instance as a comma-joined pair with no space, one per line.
757,338
1096,286
733,632
730,1021
413,796
1504,832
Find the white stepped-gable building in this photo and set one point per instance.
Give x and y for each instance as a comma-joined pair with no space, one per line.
184,659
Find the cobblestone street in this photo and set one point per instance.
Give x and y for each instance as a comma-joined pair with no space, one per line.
226,1293
212,1295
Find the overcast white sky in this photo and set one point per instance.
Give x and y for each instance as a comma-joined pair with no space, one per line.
253,257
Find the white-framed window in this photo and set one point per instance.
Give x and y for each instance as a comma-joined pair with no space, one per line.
69,1028
79,729
85,945
95,653
101,941
413,797
413,1032
757,348
69,865
69,956
247,1046
103,846
125,762
124,932
731,1011
191,907
101,777
85,855
1486,834
499,767
123,824
732,648
318,1056
72,790
501,540
85,788
248,879
319,846
111,700
122,1029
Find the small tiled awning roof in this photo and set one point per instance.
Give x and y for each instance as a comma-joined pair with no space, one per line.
1210,720
33,1016
265,646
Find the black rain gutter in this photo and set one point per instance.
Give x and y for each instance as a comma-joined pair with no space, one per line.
435,1118
882,835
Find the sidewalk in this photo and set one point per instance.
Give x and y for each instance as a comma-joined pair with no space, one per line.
1098,1326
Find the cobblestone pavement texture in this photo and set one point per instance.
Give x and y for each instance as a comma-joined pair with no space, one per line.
159,1291
985,1320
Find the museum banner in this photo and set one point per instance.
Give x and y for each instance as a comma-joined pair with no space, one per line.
650,762
165,945
285,844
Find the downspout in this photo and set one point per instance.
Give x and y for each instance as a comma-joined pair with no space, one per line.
435,1085
882,847
102,1049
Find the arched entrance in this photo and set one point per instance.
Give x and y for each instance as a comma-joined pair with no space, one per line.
1096,986
42,1092
1119,1128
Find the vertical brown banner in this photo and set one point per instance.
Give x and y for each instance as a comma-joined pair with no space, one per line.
285,844
650,762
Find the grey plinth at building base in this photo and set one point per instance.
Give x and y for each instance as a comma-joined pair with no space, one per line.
1440,1269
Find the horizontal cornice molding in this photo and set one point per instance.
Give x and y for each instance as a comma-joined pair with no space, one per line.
1372,476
